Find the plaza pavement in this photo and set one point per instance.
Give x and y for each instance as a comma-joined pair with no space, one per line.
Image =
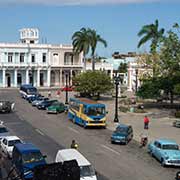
160,120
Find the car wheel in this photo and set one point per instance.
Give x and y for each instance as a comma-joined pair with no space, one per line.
112,142
74,121
8,156
163,162
84,125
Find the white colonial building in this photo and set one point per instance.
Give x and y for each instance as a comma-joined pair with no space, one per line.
39,64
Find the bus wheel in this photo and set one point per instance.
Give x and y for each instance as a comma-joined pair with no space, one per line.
84,125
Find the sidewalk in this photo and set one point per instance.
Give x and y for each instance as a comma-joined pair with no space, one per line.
159,127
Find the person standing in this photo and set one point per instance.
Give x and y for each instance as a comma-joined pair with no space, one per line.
146,122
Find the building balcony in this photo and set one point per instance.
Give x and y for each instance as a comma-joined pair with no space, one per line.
74,65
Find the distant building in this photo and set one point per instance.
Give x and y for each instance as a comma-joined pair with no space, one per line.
42,65
102,66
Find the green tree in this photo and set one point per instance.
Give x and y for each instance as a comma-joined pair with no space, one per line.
81,43
92,83
168,77
170,62
94,39
153,34
123,67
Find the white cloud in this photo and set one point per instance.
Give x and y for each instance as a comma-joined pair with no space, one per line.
74,2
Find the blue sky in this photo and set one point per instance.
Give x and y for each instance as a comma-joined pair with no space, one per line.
117,21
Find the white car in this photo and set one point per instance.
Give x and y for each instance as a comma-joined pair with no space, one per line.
87,171
7,144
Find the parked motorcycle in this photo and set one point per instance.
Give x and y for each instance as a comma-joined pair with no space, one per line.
144,141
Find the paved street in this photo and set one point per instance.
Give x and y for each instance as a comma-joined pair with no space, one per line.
52,132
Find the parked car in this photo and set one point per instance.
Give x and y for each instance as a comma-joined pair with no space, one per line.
7,144
56,107
45,104
6,106
30,99
25,157
176,123
87,171
67,88
122,134
166,151
38,101
3,131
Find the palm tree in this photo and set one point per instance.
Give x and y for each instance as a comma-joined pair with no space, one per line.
81,43
176,25
94,39
151,33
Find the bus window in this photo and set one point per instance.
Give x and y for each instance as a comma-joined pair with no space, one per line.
94,111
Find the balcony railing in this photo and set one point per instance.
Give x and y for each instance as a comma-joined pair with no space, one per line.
22,64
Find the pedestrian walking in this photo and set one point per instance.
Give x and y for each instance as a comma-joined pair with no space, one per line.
49,94
74,145
146,122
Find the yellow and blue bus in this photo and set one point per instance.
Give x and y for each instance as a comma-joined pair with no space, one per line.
87,112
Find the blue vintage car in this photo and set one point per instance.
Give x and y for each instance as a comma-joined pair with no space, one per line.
166,151
122,134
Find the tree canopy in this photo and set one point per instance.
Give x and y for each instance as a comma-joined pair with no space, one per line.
92,83
87,39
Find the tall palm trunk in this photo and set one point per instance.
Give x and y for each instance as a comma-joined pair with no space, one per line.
84,63
93,63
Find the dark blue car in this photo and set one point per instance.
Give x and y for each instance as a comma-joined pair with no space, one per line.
45,104
33,98
123,134
25,158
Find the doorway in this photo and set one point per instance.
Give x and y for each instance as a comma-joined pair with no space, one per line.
41,79
31,79
8,80
19,79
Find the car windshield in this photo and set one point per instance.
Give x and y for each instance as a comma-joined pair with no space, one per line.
121,130
96,111
32,157
13,142
170,147
56,104
31,90
86,171
3,130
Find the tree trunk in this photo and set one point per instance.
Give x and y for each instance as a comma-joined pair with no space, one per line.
93,63
84,61
171,97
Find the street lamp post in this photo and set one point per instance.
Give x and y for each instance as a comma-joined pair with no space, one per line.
116,82
136,80
66,74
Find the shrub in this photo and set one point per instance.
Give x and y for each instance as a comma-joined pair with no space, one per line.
139,111
123,109
177,114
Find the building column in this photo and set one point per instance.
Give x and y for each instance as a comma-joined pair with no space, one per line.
27,76
70,77
15,77
60,78
38,77
4,77
130,79
49,77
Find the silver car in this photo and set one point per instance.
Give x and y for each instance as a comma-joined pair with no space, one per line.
3,131
37,102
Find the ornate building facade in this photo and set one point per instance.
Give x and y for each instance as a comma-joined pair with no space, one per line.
42,65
